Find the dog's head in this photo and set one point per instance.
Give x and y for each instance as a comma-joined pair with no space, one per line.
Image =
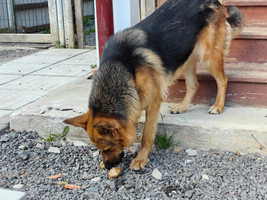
109,135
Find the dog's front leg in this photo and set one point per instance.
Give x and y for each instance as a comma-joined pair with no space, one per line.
152,113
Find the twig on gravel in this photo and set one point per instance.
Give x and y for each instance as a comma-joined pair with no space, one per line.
261,146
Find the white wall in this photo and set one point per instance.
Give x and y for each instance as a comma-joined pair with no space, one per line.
125,14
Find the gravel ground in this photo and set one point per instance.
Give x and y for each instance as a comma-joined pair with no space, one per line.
26,162
11,51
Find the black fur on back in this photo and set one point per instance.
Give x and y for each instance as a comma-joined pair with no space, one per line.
171,32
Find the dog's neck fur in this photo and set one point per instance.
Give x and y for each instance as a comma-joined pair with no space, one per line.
114,94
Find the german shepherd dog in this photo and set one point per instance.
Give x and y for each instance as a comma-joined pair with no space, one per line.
139,63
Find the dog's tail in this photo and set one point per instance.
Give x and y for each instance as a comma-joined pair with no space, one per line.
236,20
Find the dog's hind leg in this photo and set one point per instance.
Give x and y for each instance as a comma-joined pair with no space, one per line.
189,74
217,71
152,113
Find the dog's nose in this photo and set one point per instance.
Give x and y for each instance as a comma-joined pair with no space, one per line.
109,165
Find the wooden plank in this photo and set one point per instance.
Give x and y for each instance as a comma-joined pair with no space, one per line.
245,3
30,6
160,2
147,7
79,23
31,38
53,21
68,23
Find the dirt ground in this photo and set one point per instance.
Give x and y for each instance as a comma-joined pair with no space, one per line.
11,51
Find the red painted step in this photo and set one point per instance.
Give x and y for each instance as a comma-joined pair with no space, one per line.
250,46
247,85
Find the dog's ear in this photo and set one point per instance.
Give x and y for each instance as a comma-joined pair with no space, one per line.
79,121
106,127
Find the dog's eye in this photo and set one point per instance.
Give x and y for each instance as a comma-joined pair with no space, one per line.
105,151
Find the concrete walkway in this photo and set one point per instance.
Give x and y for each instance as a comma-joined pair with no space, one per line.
29,78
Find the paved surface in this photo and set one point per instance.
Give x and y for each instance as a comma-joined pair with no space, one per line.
29,78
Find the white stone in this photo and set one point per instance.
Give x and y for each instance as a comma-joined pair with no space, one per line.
96,153
96,179
22,147
54,150
191,152
78,143
18,186
205,177
157,174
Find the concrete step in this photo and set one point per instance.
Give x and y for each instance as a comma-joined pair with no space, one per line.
247,85
242,129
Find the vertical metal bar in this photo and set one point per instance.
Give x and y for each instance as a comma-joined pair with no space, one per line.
60,22
14,17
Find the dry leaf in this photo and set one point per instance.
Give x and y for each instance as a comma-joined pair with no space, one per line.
102,165
232,157
71,187
10,130
61,183
55,176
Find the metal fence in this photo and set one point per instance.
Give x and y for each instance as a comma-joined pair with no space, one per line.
24,16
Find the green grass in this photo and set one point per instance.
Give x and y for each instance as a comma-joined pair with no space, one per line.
93,66
164,141
53,136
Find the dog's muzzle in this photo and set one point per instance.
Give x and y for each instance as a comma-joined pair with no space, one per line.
109,165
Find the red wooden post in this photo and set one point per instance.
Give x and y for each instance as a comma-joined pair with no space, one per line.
105,28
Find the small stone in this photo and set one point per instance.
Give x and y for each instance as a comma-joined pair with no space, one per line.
188,193
188,161
29,145
4,138
22,147
191,152
53,150
43,111
205,177
87,176
121,188
133,149
24,155
78,143
96,179
18,186
176,150
96,154
66,109
114,172
40,146
157,174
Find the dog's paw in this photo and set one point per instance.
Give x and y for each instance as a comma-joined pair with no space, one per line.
178,109
216,109
138,163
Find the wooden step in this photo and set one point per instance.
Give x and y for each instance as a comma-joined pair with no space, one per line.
248,50
250,46
254,33
247,85
254,11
